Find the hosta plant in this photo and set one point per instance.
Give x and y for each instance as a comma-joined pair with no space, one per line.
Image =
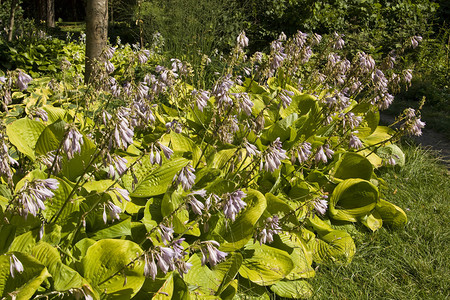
135,187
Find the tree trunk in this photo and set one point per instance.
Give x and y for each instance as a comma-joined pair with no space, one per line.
12,15
96,33
51,13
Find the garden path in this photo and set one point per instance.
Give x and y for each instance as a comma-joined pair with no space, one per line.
437,142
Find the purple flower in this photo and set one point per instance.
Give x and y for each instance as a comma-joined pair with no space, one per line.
201,98
415,40
355,142
23,80
121,194
244,102
32,195
323,153
143,56
120,163
196,205
251,149
108,52
242,40
123,133
339,42
186,177
321,204
109,67
234,204
303,152
166,233
6,160
351,120
15,265
211,253
155,156
72,143
221,90
407,75
274,155
113,211
166,150
285,97
150,268
271,227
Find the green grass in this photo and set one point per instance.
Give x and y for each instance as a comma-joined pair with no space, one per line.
409,263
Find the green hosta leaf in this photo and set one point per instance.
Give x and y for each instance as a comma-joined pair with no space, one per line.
280,129
54,113
24,134
372,221
336,246
241,230
111,266
374,159
227,270
158,180
382,133
173,288
64,277
300,104
56,203
329,245
222,158
80,162
212,282
201,278
7,235
352,199
24,242
300,255
172,200
278,206
391,214
352,165
181,143
265,265
25,284
115,230
50,139
296,289
392,151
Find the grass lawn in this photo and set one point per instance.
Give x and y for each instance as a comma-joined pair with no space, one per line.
413,263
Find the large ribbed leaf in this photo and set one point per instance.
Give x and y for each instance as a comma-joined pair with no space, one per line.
393,151
158,180
300,255
295,289
391,214
215,281
241,230
112,266
382,133
353,165
329,245
54,113
352,199
64,277
24,284
50,139
24,134
181,143
265,265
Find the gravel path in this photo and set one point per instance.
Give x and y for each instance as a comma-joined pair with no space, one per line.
429,139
